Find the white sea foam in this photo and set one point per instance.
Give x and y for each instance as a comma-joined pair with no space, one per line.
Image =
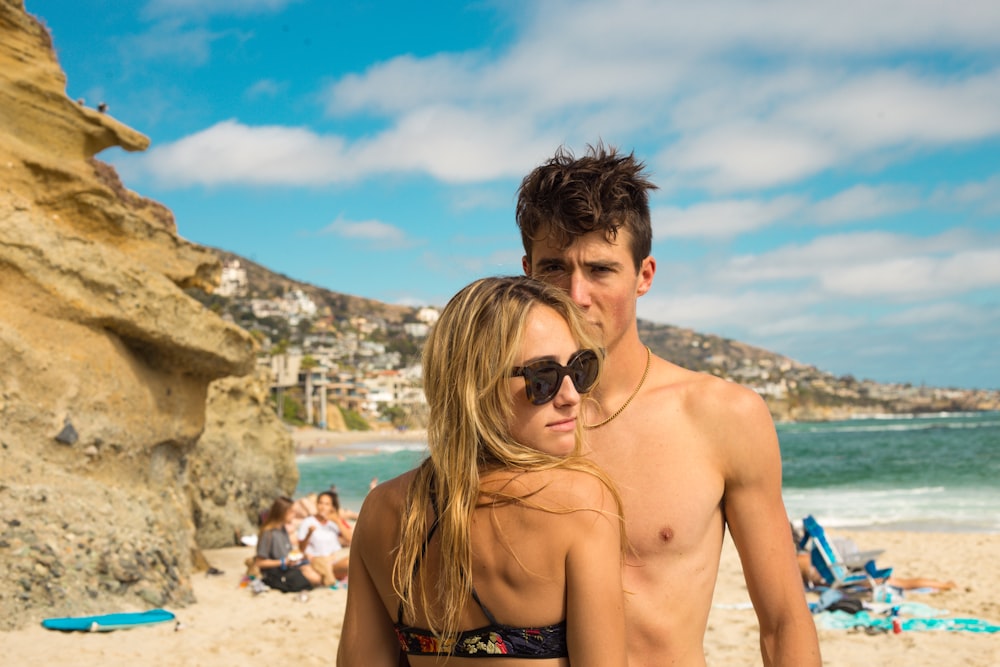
923,508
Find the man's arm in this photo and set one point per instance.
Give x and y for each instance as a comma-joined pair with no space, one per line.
758,522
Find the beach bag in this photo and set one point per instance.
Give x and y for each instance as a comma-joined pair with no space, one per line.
287,581
848,605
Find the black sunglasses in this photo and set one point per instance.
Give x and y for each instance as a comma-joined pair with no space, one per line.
542,379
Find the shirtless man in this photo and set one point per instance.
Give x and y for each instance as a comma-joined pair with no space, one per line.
691,453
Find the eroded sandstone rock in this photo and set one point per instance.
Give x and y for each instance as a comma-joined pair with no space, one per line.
96,333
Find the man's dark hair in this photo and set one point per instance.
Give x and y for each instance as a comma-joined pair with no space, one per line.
568,197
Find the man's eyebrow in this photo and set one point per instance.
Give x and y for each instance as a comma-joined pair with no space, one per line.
556,262
604,263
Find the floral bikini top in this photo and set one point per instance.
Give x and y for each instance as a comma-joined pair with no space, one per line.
493,640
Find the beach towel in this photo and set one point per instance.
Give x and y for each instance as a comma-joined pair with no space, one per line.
839,620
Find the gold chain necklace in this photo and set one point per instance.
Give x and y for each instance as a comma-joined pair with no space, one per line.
617,412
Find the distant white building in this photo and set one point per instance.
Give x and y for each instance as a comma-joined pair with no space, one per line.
416,329
428,315
298,303
391,387
293,306
233,281
266,308
284,368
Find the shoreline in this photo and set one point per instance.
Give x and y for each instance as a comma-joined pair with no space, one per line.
314,446
311,442
228,625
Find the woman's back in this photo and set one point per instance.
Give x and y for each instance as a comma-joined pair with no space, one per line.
524,552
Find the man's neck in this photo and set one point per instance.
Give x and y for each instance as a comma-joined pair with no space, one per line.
625,369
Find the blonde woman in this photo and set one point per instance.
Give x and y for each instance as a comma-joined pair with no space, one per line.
506,541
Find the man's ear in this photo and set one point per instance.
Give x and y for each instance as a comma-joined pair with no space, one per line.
525,265
646,272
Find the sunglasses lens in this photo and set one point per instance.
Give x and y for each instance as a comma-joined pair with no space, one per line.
543,382
585,367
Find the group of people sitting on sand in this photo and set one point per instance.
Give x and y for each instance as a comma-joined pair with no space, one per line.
304,543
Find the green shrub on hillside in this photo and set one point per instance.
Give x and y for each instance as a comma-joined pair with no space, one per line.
354,421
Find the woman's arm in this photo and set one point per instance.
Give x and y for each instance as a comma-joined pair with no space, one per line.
346,531
367,638
306,529
269,552
595,608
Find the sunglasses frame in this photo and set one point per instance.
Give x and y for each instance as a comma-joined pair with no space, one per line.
562,372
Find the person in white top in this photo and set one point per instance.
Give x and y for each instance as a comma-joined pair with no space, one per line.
323,538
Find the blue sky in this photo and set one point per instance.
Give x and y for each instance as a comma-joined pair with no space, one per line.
829,172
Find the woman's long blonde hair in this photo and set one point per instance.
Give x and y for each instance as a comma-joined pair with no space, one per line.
467,361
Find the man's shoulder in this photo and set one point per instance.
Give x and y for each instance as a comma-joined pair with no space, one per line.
704,395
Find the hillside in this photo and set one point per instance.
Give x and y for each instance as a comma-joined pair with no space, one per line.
793,390
265,283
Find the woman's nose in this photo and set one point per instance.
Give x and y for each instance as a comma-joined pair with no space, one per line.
567,394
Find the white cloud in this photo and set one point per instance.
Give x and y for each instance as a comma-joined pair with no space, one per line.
452,146
472,198
839,282
848,27
402,83
954,314
157,8
265,88
796,323
811,121
744,155
865,202
983,196
721,219
174,41
712,309
917,277
773,94
838,254
375,232
232,153
890,108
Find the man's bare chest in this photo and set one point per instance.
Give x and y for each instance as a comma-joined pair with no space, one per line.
671,493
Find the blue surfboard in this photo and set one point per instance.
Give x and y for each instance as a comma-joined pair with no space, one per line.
108,622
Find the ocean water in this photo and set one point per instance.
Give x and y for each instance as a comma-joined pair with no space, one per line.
921,473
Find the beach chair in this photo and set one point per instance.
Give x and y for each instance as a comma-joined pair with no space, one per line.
858,573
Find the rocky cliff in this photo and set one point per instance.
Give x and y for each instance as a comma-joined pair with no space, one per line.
109,478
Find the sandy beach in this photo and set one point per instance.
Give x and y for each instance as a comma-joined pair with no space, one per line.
231,626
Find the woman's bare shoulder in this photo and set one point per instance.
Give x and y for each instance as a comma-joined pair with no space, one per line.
389,496
564,488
